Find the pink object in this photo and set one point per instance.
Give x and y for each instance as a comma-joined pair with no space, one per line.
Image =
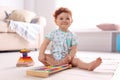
108,27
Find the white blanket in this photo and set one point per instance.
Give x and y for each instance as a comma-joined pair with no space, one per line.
28,31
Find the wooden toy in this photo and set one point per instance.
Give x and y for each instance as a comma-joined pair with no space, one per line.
25,60
45,71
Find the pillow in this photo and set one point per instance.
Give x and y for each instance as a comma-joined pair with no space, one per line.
3,9
107,26
7,14
21,15
39,20
35,20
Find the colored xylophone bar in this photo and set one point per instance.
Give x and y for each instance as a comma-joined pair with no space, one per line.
45,71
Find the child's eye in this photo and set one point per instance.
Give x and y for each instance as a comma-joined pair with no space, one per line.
68,18
61,18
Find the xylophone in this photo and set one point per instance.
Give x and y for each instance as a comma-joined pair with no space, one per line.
45,71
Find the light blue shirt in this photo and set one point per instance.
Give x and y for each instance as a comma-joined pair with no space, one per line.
61,43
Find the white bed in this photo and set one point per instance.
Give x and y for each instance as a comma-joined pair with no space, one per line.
106,71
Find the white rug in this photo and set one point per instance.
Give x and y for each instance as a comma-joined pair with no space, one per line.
9,71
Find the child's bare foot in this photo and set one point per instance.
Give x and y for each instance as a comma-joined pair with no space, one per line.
95,64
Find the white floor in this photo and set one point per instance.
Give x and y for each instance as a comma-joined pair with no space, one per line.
9,71
116,75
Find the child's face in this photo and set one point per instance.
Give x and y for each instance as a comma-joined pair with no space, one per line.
64,20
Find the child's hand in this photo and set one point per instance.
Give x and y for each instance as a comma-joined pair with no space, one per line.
41,58
66,60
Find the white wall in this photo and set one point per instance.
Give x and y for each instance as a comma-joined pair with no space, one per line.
12,3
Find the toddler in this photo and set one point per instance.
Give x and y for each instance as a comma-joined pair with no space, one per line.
64,44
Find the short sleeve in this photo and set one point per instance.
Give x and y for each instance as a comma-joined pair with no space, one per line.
49,35
74,40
